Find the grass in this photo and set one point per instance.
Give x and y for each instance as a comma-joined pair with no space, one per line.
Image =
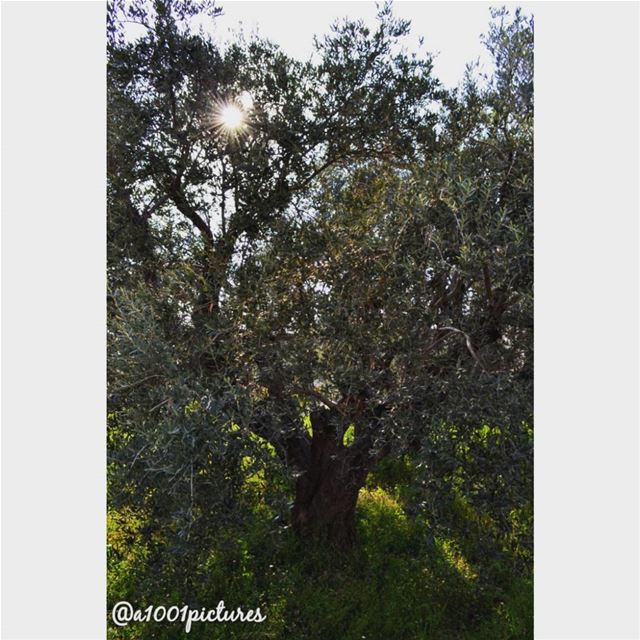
403,581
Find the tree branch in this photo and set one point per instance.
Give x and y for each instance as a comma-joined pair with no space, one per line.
186,209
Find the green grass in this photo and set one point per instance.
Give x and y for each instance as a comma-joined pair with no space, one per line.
401,582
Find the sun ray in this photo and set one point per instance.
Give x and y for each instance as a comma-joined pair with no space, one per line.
230,117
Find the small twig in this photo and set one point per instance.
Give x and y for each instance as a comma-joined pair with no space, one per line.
160,404
316,394
135,384
136,456
469,345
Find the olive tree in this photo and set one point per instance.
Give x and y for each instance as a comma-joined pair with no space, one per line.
313,265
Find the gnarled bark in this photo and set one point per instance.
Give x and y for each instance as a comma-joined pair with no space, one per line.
327,489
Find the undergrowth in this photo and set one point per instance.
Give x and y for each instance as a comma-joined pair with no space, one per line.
406,580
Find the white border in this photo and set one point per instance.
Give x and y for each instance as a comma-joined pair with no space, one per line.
587,532
53,318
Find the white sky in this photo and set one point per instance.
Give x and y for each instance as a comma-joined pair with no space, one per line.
451,29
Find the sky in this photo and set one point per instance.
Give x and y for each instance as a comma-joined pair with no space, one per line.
450,29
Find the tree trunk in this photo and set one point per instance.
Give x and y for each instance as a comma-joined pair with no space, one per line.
327,489
325,509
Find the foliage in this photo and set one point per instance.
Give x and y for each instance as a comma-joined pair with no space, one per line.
406,579
327,305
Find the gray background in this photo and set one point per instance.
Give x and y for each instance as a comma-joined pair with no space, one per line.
53,320
53,313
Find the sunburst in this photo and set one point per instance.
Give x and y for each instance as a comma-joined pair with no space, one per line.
231,117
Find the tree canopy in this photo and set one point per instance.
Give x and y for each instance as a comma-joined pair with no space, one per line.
343,277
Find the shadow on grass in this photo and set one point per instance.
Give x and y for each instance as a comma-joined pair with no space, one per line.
402,582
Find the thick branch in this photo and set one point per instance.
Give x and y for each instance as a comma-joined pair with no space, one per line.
186,209
292,447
